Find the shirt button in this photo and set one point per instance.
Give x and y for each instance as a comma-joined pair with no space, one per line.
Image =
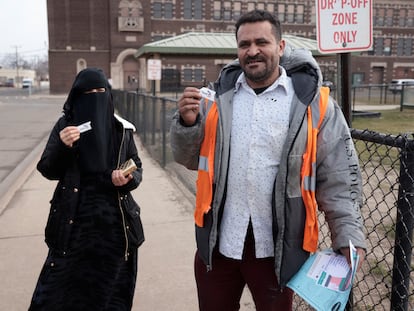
75,189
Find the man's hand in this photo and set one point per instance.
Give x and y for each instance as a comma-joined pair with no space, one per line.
361,254
189,105
69,135
118,179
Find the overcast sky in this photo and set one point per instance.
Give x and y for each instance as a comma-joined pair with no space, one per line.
23,24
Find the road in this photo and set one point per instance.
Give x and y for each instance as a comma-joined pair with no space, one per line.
24,123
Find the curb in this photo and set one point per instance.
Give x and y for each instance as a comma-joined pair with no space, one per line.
14,180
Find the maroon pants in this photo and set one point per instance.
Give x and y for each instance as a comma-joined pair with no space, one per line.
220,289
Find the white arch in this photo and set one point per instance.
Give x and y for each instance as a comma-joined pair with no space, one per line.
117,71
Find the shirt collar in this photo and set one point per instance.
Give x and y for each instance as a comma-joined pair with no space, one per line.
282,81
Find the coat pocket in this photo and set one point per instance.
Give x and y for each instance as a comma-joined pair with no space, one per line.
133,222
60,219
52,225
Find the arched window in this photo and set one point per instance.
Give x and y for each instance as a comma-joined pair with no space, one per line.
81,64
130,17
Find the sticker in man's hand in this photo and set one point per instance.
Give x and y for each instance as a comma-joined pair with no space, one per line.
84,127
207,93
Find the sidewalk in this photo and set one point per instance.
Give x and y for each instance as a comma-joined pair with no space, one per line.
165,265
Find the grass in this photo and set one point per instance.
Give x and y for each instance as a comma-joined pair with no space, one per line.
390,122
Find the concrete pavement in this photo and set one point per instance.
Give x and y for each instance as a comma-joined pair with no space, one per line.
165,265
165,268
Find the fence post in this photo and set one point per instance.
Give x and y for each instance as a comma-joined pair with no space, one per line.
403,232
135,111
163,131
144,118
154,111
402,97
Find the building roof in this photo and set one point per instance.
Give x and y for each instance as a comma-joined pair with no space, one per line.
209,43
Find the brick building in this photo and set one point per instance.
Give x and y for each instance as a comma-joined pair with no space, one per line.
108,33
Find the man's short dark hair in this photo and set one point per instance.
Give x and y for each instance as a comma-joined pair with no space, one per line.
260,16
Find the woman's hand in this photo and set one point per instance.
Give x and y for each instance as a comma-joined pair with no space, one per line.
118,179
69,135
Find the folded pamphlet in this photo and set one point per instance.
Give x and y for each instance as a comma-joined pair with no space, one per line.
325,279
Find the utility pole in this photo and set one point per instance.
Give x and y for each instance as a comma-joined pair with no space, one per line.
17,64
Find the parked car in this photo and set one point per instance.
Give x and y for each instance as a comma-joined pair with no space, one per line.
329,84
9,83
26,83
396,85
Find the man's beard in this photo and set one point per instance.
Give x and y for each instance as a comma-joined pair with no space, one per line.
258,76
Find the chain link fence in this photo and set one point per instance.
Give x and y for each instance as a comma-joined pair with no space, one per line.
385,281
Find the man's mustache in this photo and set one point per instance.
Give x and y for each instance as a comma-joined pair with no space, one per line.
254,59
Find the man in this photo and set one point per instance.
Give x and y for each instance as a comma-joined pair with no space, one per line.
254,225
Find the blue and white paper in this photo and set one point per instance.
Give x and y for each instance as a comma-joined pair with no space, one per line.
325,279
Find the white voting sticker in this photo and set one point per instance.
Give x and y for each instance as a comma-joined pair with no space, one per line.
207,93
85,127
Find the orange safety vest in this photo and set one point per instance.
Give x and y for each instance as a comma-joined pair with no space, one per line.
205,178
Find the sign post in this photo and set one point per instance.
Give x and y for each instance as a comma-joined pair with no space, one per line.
344,26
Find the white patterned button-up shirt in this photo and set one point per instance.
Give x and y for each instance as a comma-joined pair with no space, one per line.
259,128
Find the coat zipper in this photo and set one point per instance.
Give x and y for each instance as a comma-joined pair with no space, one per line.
119,201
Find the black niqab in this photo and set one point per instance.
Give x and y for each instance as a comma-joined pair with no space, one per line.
96,145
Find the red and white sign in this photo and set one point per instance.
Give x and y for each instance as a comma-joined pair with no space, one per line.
154,69
344,25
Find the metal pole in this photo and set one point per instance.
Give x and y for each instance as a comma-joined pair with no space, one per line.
164,132
154,111
403,233
345,89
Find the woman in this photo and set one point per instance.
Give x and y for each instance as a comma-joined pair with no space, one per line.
94,228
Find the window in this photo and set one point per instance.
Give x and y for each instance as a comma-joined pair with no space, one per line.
378,46
290,13
80,64
300,10
379,17
170,80
188,9
198,9
410,19
260,6
188,75
227,10
193,9
402,18
251,6
195,74
387,46
358,78
162,10
408,47
271,8
168,10
404,46
236,10
157,10
313,15
217,10
198,75
389,17
281,12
